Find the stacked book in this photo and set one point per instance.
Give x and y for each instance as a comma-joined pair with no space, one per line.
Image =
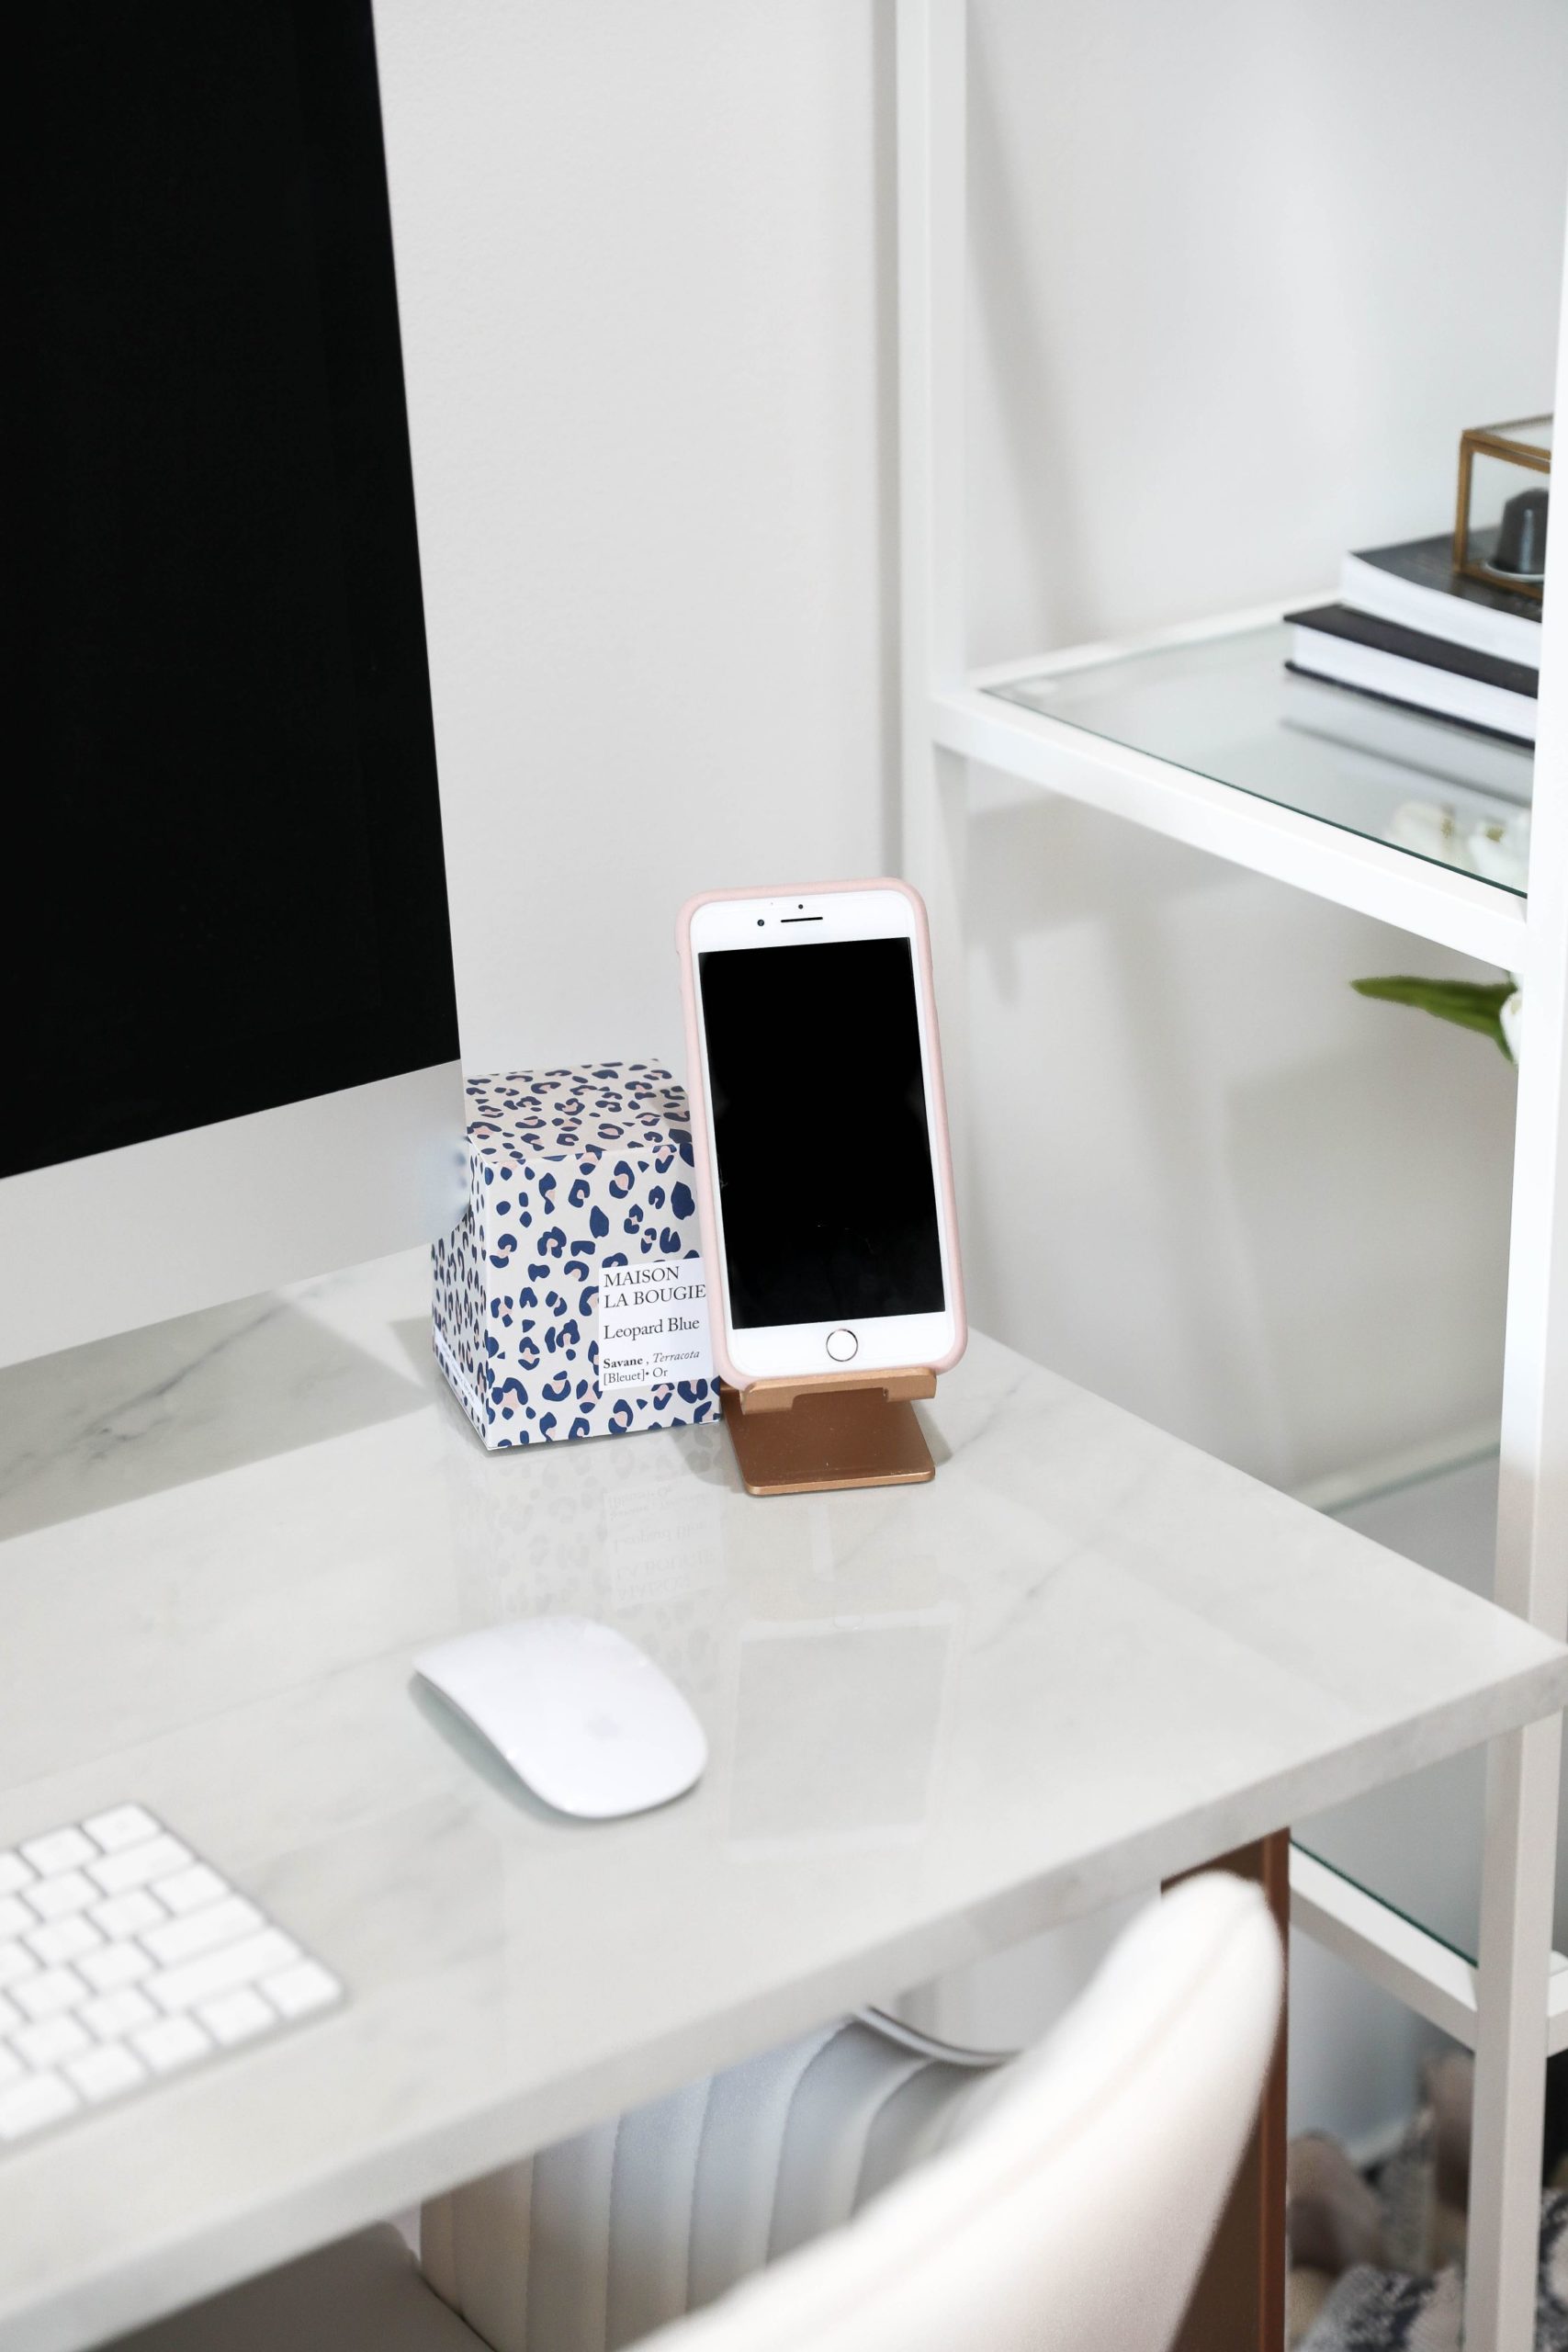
1431,669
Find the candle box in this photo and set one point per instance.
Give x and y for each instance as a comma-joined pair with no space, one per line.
570,1299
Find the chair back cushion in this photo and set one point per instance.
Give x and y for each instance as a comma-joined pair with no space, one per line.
1075,2215
593,2243
1064,2204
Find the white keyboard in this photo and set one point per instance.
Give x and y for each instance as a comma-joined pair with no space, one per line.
125,1960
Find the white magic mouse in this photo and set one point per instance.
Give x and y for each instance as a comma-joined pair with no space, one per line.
579,1712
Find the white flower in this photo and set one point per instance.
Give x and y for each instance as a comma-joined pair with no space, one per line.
1428,830
1512,1016
1500,850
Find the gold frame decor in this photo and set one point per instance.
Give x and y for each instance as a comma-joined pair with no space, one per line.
1526,443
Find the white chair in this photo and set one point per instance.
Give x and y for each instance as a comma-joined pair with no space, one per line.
865,2190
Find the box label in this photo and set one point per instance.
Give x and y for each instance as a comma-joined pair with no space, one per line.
653,1325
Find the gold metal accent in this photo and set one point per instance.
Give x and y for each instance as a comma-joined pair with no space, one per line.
1493,441
814,1435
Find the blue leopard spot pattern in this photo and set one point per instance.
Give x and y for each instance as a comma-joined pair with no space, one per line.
568,1170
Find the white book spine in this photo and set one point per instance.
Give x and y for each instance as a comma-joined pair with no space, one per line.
1417,684
1508,636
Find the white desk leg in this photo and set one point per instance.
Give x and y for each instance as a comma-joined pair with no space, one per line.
933,278
936,832
1511,2046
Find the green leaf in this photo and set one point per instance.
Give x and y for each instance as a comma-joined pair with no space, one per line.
1470,1005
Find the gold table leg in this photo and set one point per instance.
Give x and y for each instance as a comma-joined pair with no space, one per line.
1238,2304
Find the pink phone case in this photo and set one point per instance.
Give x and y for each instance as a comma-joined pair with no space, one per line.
940,1153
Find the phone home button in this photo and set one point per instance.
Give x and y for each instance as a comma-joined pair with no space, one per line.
842,1345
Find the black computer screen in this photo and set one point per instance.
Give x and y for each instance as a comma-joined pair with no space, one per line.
821,1137
224,886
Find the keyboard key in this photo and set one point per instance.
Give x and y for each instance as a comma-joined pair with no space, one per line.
173,2042
220,1922
297,1991
105,2074
124,1958
223,1970
29,2106
47,2044
237,2017
53,1898
122,1826
49,1992
63,1939
115,2015
127,1915
188,1890
138,1865
115,1966
64,1850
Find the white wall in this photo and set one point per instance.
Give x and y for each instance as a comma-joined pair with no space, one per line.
1238,283
1210,1179
1242,269
646,327
1241,275
1233,300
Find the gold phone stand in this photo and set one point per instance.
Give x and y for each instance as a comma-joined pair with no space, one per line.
808,1436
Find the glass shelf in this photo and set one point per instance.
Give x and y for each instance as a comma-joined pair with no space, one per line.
1416,1844
1227,709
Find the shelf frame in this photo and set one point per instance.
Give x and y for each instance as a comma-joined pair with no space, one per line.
1414,894
1523,1768
1515,2002
1417,1968
1408,1961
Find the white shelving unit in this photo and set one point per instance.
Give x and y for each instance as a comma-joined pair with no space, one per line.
1123,730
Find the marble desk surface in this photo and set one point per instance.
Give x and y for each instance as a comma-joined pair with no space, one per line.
940,1718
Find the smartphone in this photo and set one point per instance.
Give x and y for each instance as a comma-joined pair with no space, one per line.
824,1179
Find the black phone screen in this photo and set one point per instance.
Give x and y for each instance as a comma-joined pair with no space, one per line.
821,1131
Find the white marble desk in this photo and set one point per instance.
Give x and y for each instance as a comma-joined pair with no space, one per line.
941,1717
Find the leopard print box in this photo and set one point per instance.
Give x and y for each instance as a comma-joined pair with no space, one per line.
570,1172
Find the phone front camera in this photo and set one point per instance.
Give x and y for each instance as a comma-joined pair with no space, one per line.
759,922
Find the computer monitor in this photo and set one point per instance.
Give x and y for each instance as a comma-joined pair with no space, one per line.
230,1028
